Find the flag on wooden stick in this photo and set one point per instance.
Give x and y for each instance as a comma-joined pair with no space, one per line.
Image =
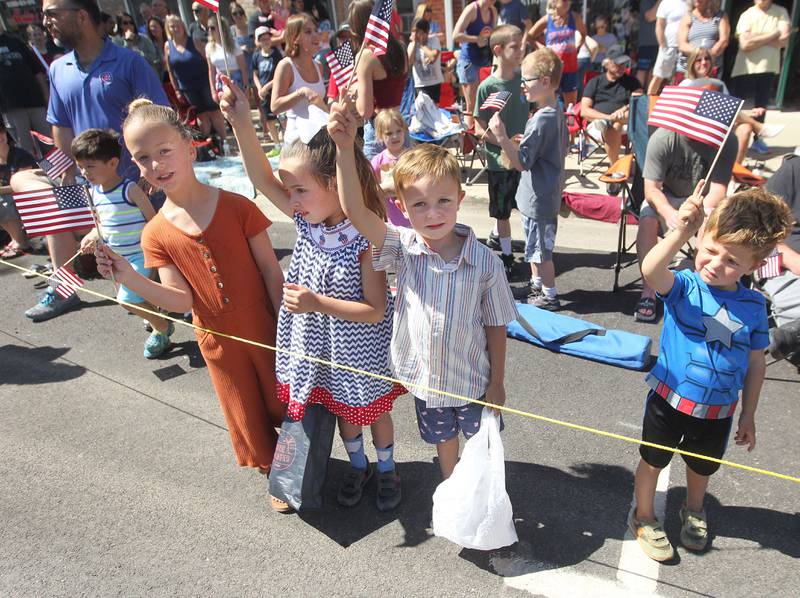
68,282
496,100
696,113
212,5
341,64
54,210
377,33
55,163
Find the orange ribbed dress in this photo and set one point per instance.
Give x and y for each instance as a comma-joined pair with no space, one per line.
229,295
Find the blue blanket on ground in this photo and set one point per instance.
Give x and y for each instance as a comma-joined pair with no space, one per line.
572,336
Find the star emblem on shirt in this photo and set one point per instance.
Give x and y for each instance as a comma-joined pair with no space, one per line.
720,327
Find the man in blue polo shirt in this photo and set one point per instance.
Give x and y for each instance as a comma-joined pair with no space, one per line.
90,87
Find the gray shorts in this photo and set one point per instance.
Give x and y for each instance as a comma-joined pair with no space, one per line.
648,211
666,63
540,239
784,293
8,211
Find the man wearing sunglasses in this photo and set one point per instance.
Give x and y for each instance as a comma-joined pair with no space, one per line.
198,29
90,87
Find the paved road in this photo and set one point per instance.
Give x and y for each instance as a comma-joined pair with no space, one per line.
118,478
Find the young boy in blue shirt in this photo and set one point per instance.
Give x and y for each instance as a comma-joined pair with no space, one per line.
540,159
712,347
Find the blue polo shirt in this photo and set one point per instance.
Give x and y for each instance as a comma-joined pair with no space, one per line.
706,340
98,97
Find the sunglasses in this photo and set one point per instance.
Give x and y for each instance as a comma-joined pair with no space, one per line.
531,80
212,27
238,13
704,59
197,10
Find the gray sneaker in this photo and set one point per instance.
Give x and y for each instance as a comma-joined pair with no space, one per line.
52,305
544,302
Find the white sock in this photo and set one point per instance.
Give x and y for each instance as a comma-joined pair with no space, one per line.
505,245
536,281
549,292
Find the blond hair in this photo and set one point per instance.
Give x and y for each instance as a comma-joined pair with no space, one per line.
224,35
544,63
386,118
754,219
420,14
173,19
504,35
143,111
425,160
293,31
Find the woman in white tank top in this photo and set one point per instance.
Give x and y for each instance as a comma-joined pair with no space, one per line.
302,99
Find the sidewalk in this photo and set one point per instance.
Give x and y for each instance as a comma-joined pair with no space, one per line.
580,233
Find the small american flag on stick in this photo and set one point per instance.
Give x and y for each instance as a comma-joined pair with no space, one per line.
377,33
340,62
54,210
68,281
496,100
55,163
772,267
43,138
699,114
213,5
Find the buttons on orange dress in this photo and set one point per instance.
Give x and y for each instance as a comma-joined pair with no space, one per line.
220,285
213,268
226,300
206,255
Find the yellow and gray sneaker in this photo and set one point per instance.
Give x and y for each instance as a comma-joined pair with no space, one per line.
694,529
651,537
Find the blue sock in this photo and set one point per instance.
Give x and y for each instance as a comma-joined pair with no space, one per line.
355,450
385,458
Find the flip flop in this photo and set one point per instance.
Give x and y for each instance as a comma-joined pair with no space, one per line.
11,251
643,306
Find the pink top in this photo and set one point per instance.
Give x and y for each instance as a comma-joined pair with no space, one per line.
382,163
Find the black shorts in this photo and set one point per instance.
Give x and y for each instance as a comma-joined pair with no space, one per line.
201,99
266,107
502,193
665,425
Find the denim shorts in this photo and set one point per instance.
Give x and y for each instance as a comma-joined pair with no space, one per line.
372,145
124,293
467,71
540,239
569,82
440,424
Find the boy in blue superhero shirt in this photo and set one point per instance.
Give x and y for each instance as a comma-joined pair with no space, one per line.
712,347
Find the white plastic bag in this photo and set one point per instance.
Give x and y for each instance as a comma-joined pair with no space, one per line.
429,119
472,508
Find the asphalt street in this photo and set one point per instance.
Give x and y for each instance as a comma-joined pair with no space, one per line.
118,478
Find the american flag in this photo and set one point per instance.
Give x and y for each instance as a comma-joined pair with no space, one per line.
377,33
340,62
43,138
55,163
772,267
54,210
212,4
699,114
496,100
68,281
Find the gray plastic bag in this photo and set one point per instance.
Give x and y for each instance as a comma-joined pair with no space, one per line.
301,458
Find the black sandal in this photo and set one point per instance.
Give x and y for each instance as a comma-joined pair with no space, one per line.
646,304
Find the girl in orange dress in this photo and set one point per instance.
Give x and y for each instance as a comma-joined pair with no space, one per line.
214,256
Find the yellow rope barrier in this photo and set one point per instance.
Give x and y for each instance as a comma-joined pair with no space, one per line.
511,410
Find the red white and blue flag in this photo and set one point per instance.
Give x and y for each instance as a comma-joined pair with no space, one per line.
43,138
55,163
211,4
68,282
696,113
496,101
341,64
377,33
54,210
773,266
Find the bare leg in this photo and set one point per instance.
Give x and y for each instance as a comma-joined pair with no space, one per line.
157,322
696,486
612,137
448,456
218,122
656,83
546,271
643,77
14,228
645,490
570,97
743,132
503,228
646,239
274,132
469,91
205,123
383,431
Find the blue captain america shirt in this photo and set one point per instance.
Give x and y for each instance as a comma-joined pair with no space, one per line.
706,341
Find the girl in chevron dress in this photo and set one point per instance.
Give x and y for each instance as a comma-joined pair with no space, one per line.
335,306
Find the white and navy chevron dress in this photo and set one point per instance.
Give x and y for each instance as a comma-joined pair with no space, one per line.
326,261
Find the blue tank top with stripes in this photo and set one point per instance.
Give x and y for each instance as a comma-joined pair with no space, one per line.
121,220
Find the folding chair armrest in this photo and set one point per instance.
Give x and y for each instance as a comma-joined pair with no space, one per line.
746,176
620,171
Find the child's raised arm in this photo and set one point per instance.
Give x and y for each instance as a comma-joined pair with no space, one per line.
342,129
236,109
655,265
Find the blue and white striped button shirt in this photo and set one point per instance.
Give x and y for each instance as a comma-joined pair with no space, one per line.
439,340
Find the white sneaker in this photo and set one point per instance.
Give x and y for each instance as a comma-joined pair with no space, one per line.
768,131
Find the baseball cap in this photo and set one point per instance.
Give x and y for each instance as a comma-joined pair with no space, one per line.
616,55
261,31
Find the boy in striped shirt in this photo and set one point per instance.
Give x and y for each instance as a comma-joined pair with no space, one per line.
122,210
453,299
